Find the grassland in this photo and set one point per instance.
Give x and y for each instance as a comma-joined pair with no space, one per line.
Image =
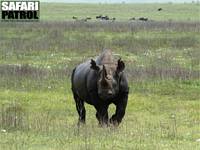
122,12
162,63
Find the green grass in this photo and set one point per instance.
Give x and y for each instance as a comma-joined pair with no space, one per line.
37,110
177,12
159,115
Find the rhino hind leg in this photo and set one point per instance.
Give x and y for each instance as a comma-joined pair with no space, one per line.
80,109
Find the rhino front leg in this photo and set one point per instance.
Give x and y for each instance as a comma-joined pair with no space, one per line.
120,110
102,115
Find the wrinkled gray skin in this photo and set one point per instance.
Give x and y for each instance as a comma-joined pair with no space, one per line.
101,82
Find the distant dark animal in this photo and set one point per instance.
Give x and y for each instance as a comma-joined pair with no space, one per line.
101,82
104,18
143,19
159,9
85,20
88,18
113,19
74,17
133,18
98,17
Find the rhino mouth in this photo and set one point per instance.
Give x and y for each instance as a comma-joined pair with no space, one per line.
106,95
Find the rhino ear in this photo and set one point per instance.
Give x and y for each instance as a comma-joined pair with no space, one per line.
94,65
120,65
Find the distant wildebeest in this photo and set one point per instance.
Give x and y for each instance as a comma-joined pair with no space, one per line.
74,17
133,18
88,18
159,9
98,17
101,82
113,19
143,19
85,19
104,18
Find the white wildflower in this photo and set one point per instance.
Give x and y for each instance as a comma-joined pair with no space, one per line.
198,140
3,130
173,116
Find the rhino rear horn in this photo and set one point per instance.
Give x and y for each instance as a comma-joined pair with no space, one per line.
94,65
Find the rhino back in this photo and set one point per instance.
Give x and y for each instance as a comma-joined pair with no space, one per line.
83,81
